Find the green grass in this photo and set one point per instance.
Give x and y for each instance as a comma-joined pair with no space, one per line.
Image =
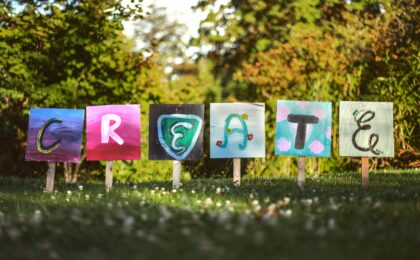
333,218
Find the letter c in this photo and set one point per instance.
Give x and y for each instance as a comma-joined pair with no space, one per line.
40,146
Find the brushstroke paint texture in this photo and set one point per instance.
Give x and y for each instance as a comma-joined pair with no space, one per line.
374,136
237,130
317,132
176,132
128,130
69,133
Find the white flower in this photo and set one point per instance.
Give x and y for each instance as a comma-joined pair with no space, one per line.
128,221
69,193
218,204
208,202
272,207
306,202
100,195
287,213
218,190
255,203
193,192
80,187
377,205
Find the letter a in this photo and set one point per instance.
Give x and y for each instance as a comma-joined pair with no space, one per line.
243,131
107,130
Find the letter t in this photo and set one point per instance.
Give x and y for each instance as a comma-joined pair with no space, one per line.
107,130
302,121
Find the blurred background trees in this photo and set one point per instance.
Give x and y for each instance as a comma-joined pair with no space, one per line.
74,54
327,50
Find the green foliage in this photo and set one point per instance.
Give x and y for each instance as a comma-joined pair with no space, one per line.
66,54
317,50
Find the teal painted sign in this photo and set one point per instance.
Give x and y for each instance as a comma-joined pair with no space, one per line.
178,133
303,128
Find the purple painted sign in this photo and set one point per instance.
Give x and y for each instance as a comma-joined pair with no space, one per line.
55,135
113,132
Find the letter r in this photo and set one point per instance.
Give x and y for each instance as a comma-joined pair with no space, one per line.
107,130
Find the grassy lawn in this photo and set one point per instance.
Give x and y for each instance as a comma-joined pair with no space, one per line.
332,218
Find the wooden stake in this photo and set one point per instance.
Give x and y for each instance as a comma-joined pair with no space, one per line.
365,171
237,171
176,175
301,172
49,187
108,175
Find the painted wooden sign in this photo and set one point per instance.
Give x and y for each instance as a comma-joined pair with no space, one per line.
237,130
55,134
113,132
303,128
366,129
176,132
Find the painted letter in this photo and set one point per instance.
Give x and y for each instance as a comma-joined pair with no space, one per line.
228,131
365,117
40,146
177,136
107,130
302,121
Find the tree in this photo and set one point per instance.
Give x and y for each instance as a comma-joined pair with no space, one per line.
161,36
65,54
318,49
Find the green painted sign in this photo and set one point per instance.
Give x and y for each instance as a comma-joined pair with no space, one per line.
178,133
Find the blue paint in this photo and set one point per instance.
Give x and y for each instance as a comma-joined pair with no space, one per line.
317,141
243,131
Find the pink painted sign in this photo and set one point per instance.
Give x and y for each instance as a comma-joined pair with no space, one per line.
113,132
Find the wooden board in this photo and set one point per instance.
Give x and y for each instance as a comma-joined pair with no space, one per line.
113,132
237,130
366,129
176,132
303,128
55,134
